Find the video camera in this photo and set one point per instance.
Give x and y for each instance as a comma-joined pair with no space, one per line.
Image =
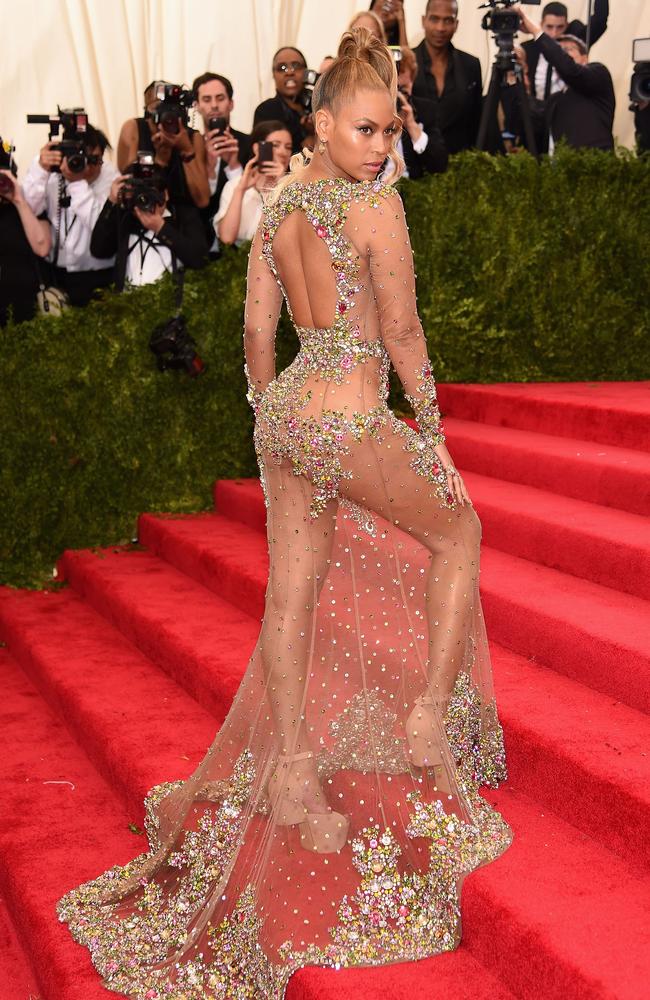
640,83
145,187
74,123
504,25
175,102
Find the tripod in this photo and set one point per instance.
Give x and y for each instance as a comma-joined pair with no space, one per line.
504,63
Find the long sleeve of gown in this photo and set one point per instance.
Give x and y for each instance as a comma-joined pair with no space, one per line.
261,313
393,285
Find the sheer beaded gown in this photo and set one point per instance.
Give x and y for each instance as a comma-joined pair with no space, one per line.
338,811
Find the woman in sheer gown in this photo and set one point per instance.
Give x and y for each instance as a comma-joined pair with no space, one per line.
337,813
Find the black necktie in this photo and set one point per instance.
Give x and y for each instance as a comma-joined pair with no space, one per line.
547,85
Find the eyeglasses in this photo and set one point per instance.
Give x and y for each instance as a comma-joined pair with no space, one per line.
94,159
285,67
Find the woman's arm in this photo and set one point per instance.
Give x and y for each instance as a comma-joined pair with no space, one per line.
228,219
261,314
37,231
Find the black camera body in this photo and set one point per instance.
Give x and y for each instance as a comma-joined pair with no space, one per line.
640,82
504,25
175,102
174,347
73,124
307,92
144,188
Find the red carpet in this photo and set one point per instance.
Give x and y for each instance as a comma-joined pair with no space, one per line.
118,682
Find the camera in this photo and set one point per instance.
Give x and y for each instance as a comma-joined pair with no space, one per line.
174,348
145,188
504,25
175,102
640,82
307,92
73,122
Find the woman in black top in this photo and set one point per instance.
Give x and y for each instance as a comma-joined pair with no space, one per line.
22,236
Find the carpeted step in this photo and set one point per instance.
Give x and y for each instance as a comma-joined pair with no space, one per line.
585,470
116,703
17,979
594,634
559,734
200,640
609,547
62,825
616,413
516,913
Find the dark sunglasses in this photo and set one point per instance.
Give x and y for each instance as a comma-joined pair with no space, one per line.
285,67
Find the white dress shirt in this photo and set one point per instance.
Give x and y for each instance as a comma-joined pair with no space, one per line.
557,85
232,173
148,258
76,222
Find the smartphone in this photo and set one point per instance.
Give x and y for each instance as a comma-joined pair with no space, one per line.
218,125
265,154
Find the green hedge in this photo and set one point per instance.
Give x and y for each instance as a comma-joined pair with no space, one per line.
525,272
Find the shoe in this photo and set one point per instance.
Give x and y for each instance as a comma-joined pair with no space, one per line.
423,752
324,832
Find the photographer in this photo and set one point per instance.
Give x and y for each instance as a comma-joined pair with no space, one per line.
391,13
421,142
21,236
451,79
555,23
71,199
148,234
178,149
287,106
582,112
241,203
226,149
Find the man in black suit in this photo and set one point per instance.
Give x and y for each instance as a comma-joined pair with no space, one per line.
582,112
227,151
421,142
451,79
555,22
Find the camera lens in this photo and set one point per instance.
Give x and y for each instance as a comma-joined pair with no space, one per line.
76,163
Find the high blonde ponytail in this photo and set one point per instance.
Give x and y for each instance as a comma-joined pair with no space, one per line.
363,62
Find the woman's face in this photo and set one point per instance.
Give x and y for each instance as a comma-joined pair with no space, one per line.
289,73
360,134
282,146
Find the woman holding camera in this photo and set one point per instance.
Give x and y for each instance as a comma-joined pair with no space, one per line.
21,236
240,208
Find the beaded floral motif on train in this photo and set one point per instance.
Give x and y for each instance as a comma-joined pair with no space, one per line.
124,949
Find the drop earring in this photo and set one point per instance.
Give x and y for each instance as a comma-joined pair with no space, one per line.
321,145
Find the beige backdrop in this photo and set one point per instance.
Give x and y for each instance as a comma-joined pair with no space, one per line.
102,53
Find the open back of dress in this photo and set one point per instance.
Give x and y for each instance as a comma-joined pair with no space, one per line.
371,672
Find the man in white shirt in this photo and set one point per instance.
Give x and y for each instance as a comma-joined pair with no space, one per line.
227,150
72,201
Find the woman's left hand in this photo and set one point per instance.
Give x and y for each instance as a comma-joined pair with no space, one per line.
455,482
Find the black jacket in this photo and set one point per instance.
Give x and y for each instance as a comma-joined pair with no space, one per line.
598,27
277,110
435,157
459,107
245,153
583,114
208,213
183,233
